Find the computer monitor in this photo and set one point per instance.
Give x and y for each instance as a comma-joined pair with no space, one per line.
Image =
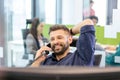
60,73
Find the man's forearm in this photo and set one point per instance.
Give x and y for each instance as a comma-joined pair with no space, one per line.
76,29
35,64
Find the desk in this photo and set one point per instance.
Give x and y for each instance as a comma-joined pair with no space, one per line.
15,52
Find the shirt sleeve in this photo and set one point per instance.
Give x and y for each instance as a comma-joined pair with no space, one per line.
86,44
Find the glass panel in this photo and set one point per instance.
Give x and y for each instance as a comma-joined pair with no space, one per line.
50,11
67,12
16,13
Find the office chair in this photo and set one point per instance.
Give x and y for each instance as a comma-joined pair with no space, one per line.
97,60
24,34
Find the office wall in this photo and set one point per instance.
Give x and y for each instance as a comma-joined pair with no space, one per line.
72,11
100,7
118,5
50,11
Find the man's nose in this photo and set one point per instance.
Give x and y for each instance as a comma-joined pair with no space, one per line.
55,41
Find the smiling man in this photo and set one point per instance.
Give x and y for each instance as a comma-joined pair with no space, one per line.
60,40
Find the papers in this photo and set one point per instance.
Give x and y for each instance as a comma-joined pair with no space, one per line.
110,32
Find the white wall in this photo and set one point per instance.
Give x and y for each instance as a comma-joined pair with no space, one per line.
118,4
116,20
50,8
72,11
100,7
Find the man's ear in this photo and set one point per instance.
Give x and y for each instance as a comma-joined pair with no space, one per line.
70,39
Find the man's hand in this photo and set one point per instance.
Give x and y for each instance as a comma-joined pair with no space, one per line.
76,28
40,57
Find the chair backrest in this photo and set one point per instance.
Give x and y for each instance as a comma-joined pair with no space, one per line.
97,59
25,32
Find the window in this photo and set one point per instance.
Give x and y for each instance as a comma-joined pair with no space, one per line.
16,13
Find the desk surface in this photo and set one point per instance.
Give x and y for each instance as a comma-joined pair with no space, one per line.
20,42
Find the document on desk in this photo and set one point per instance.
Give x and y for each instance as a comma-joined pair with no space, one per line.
108,30
1,52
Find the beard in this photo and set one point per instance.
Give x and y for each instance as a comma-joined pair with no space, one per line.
61,50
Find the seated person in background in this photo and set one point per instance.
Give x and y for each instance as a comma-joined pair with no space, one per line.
35,38
94,19
60,40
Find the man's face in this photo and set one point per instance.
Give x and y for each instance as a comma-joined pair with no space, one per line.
60,41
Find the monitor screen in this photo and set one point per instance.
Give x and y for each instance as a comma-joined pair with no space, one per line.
60,73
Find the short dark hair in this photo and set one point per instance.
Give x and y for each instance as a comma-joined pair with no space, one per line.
94,17
58,27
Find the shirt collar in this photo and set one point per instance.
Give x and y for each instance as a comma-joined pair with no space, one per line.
54,56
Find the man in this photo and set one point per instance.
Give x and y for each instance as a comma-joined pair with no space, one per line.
60,40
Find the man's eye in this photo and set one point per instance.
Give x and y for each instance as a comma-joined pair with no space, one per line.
60,37
51,39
